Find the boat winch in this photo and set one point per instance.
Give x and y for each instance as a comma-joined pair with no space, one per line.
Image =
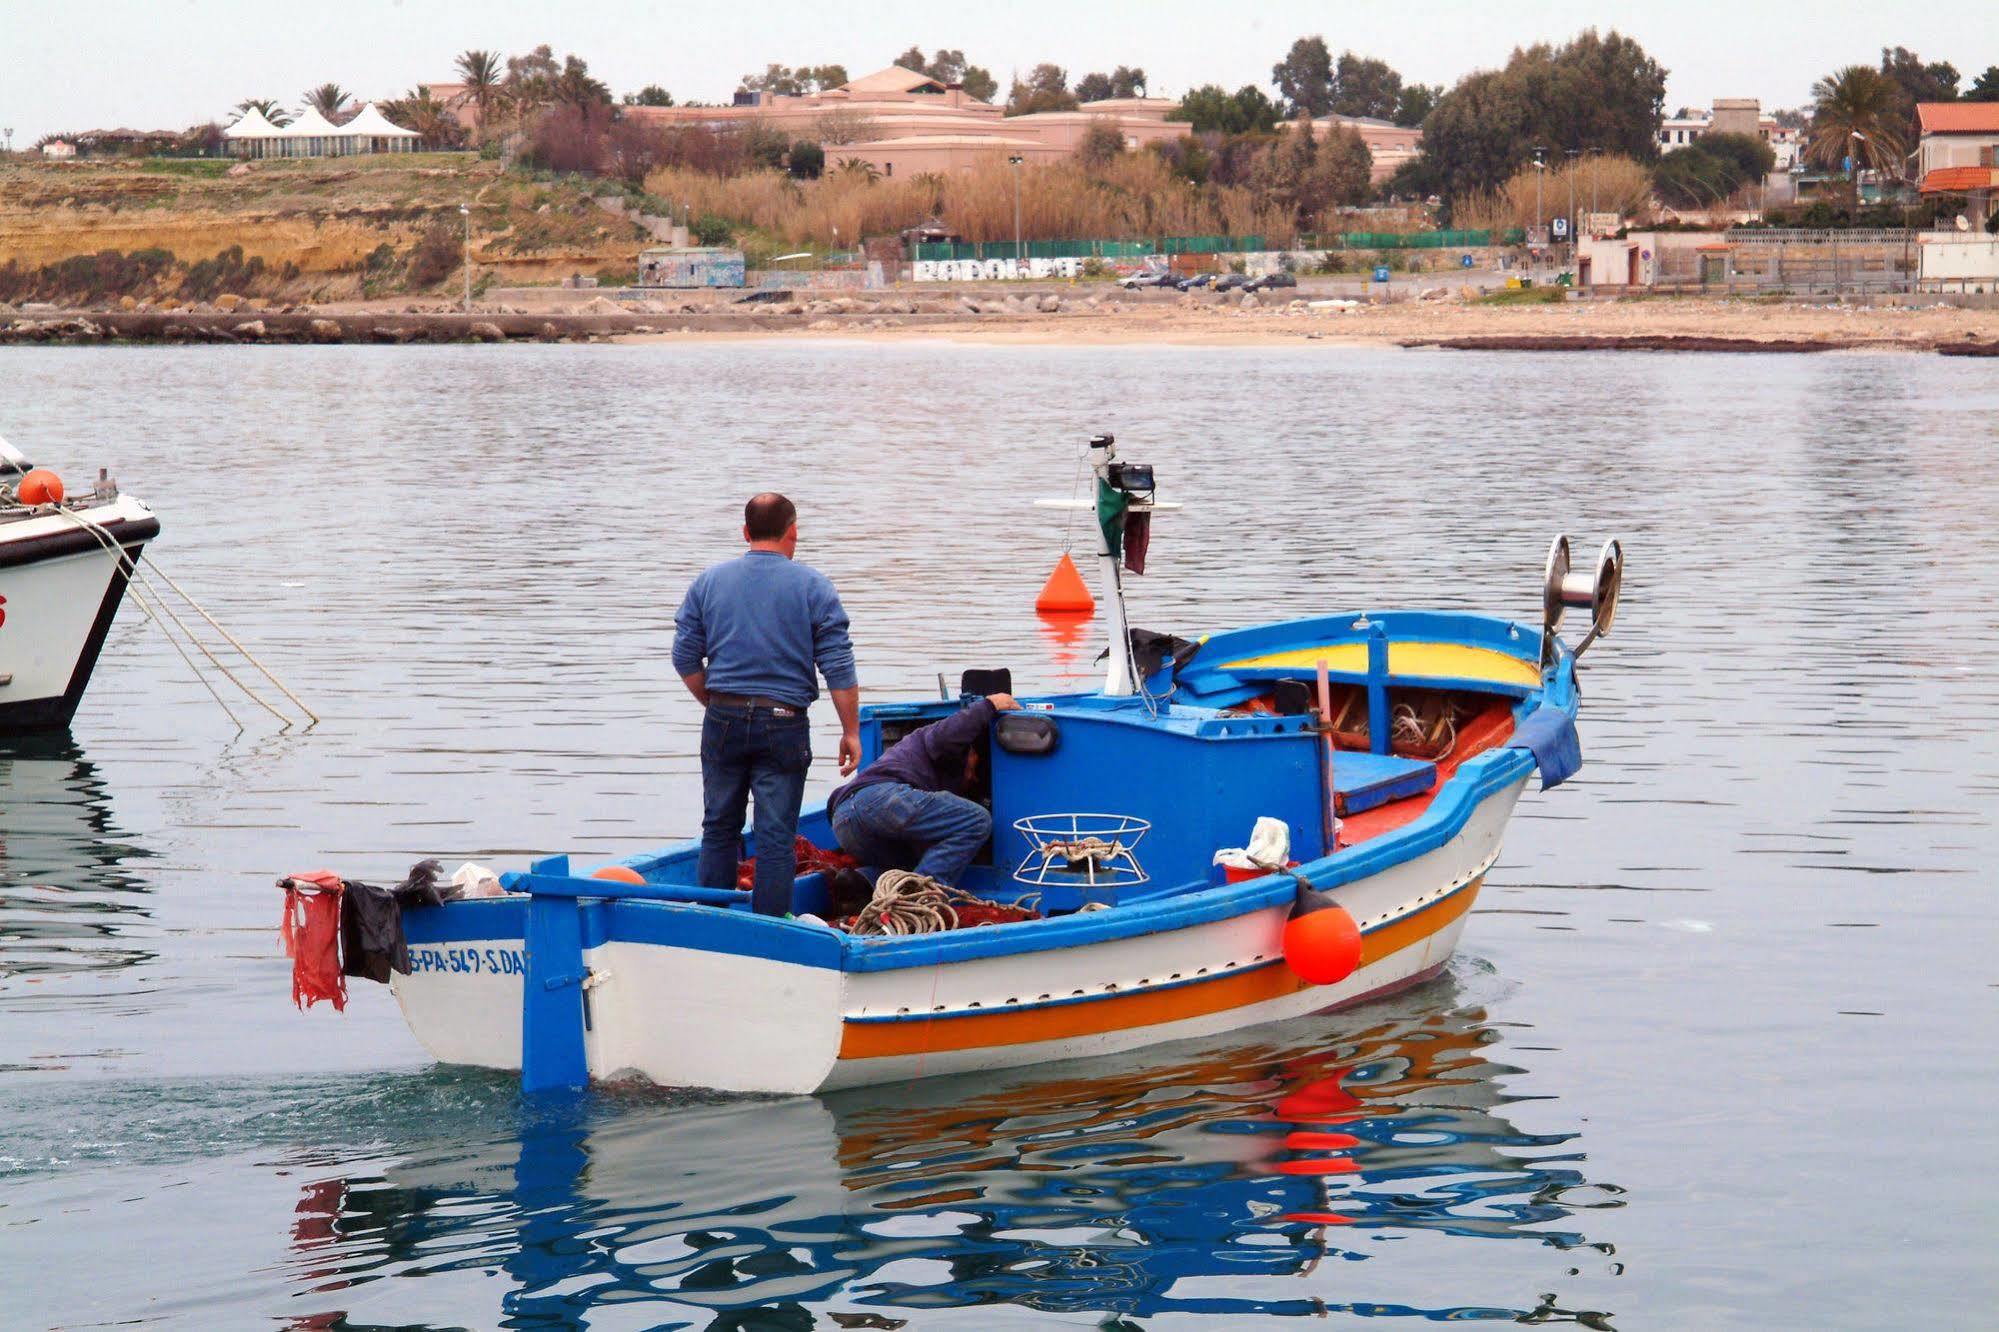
1565,587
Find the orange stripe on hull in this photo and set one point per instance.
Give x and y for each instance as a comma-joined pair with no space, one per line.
1121,1012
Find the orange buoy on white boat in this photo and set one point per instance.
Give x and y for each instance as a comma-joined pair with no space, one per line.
41,486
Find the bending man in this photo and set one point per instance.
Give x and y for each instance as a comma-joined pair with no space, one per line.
904,810
748,640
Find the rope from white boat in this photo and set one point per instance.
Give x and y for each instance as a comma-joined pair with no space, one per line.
109,541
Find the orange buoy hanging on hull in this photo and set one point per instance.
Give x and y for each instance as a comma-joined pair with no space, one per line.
41,486
1065,592
1322,946
618,874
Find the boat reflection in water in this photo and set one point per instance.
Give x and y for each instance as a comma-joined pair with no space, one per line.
1175,1185
68,903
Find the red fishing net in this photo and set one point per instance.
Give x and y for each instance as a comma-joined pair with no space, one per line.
311,934
811,860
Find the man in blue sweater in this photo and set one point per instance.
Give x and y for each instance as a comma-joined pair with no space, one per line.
751,638
904,810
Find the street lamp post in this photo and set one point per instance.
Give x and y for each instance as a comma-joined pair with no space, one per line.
1573,153
465,211
1540,175
1015,162
1853,166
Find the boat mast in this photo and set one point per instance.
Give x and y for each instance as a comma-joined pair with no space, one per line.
1121,676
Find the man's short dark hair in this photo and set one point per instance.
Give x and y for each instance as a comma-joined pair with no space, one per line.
768,516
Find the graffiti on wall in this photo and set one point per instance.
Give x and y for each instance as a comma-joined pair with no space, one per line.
993,270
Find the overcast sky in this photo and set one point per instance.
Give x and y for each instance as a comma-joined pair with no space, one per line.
84,64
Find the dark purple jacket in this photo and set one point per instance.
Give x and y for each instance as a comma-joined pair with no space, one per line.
931,758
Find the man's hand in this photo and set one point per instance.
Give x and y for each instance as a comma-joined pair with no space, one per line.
1003,702
697,685
850,753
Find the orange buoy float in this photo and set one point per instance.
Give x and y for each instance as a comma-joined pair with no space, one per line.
618,874
1322,945
39,486
1065,592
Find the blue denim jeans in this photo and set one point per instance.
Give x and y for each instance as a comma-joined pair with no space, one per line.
891,825
748,751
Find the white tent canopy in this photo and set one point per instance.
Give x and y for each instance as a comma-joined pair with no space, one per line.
371,123
313,135
253,124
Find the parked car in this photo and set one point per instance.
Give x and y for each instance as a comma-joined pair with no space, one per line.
1232,282
1137,280
1196,282
1269,280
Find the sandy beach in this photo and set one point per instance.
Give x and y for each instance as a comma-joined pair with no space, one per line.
1593,324
1070,316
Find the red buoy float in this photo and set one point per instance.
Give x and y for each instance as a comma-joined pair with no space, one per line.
1322,944
618,874
39,486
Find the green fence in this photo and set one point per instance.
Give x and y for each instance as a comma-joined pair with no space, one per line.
1138,249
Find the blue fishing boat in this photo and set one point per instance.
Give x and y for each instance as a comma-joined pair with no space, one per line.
1383,750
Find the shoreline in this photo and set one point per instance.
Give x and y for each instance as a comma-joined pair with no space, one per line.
1656,324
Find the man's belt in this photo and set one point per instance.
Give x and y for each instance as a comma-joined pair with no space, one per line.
753,702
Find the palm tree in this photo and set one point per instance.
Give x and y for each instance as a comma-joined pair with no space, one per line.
328,99
267,107
482,74
1857,113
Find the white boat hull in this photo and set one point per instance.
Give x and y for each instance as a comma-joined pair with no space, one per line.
695,1017
60,588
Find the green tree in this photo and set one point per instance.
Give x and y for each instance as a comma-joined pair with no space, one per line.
1985,88
650,95
1304,78
1093,88
1711,168
1363,86
1416,102
948,66
1207,109
1046,88
807,160
530,81
1748,157
329,99
1102,144
1597,93
575,86
980,83
1917,82
1342,171
776,80
482,73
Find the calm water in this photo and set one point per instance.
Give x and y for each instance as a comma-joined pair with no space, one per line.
1717,1050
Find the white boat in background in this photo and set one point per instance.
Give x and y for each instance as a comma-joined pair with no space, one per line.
63,568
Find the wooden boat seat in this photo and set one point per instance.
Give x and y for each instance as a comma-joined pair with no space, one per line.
1364,781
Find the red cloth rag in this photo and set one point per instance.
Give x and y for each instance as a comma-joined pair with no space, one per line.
311,934
811,860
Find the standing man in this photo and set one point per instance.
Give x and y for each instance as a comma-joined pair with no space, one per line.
748,640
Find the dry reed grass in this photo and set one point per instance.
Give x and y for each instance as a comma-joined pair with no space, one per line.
1135,195
1604,184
